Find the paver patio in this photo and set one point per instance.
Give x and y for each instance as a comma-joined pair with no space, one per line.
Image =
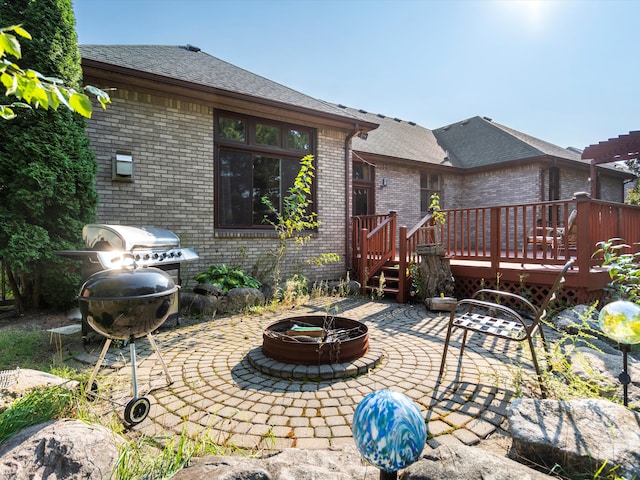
218,391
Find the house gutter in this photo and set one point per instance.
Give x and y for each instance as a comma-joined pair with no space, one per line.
347,186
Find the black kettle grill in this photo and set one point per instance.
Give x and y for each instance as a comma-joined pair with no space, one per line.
126,304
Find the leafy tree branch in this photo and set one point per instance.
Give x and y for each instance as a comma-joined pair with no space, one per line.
34,88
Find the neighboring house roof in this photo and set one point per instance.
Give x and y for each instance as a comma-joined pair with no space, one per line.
479,141
190,64
398,138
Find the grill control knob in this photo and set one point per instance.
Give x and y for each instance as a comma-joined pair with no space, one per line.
147,256
155,256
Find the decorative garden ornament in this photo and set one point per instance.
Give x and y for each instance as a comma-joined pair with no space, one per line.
389,431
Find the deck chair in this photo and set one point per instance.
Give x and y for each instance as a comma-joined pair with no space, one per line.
514,318
550,237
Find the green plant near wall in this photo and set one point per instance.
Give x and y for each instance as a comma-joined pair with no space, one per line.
296,221
226,278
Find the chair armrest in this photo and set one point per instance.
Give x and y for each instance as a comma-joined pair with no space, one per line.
513,296
545,232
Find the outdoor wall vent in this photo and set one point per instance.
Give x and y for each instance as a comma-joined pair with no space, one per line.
123,167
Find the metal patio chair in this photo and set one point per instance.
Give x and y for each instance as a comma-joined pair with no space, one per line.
504,315
550,237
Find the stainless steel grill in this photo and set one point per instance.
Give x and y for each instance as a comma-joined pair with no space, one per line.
111,247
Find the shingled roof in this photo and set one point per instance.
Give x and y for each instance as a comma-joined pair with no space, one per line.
190,64
398,139
479,141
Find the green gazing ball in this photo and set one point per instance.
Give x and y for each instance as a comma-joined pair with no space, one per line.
620,321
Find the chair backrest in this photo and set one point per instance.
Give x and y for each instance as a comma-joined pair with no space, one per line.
572,220
553,291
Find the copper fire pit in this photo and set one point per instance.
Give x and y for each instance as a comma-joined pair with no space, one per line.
315,340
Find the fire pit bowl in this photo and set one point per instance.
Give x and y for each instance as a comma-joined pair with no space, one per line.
315,340
126,304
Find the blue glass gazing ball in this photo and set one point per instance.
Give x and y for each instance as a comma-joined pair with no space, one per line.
389,430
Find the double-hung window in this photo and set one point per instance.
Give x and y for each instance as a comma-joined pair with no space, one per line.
255,158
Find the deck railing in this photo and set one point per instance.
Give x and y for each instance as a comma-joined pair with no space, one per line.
534,233
538,233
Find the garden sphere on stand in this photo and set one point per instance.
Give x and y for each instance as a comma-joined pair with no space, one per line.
389,431
620,321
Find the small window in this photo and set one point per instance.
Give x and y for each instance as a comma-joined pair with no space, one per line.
267,135
430,183
298,140
232,129
363,172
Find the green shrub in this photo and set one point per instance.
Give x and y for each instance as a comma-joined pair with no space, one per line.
226,278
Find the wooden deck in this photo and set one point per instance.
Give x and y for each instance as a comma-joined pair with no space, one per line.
521,247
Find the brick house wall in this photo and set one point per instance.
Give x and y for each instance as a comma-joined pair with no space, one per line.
172,146
401,194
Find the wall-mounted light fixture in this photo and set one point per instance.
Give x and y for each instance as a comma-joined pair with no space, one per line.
385,182
123,167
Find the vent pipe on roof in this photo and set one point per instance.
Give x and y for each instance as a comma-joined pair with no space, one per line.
192,48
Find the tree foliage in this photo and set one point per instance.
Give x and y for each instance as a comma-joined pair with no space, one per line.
35,88
47,169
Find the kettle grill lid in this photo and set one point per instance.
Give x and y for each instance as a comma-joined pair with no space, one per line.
127,284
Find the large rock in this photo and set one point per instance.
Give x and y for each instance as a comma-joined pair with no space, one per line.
68,449
340,463
580,434
462,462
238,299
198,305
578,318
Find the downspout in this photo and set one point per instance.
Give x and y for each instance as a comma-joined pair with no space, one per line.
347,191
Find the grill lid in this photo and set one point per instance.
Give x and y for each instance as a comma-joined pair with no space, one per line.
127,238
126,283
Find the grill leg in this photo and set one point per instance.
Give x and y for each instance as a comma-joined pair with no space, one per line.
132,353
107,342
157,350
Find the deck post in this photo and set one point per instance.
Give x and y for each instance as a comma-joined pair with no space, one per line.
402,265
364,253
584,241
495,239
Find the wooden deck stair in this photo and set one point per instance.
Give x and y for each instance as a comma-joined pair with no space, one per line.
390,285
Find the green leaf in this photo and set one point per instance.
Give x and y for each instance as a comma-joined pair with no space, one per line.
9,45
81,104
21,31
7,113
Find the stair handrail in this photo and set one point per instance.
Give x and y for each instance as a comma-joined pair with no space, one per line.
376,248
407,242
